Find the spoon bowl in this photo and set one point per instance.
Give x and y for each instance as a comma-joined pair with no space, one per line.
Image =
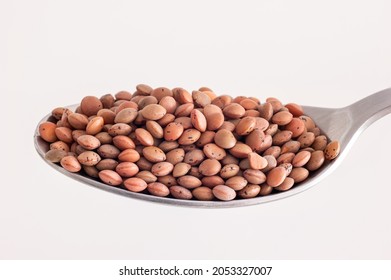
342,124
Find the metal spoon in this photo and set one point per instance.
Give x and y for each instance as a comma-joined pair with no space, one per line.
342,124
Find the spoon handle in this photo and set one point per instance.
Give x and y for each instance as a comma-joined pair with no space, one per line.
369,109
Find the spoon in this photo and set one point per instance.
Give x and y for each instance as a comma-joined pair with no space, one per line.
342,124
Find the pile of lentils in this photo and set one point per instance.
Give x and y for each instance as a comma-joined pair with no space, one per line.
198,145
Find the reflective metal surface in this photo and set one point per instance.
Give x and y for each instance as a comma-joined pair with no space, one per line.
343,124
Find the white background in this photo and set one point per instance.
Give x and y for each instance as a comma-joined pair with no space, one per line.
321,53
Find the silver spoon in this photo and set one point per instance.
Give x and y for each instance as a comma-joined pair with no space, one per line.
342,124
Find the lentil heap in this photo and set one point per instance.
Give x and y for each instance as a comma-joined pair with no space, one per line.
172,143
